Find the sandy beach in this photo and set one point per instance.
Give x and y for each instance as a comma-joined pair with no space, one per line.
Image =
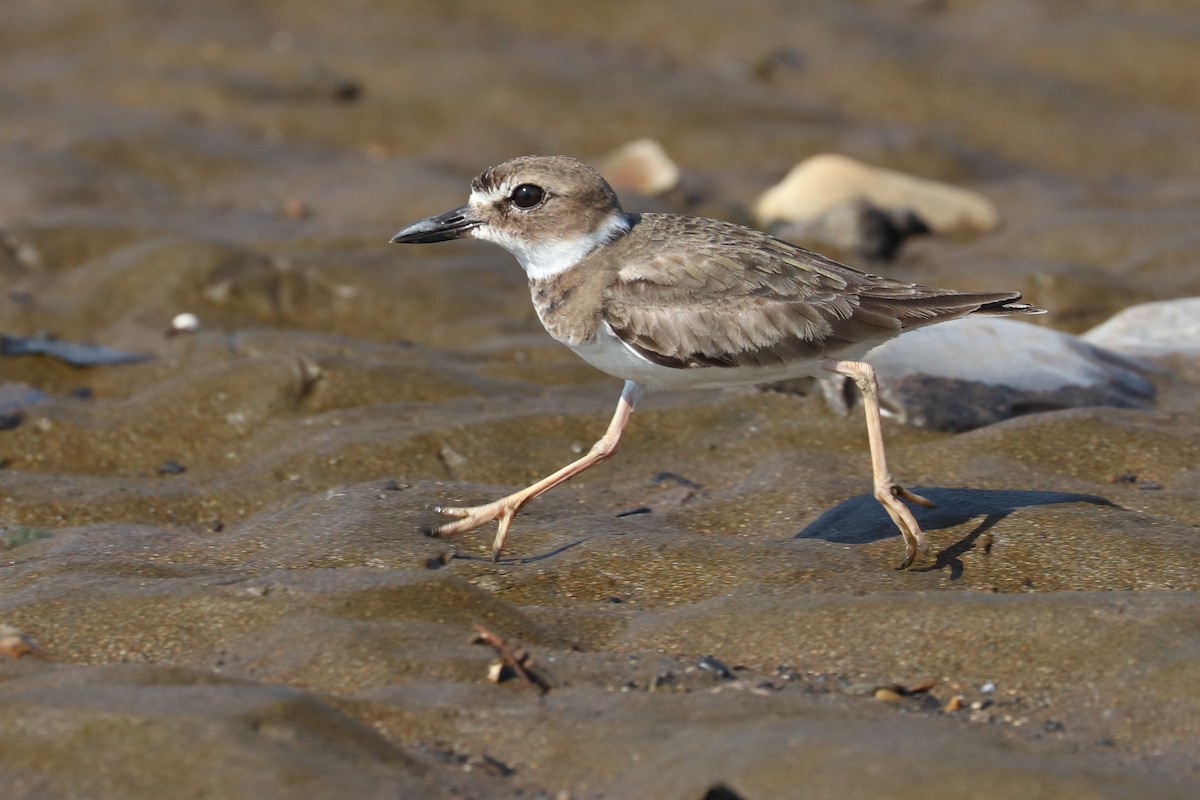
212,578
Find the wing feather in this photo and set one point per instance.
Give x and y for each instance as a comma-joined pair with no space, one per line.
701,293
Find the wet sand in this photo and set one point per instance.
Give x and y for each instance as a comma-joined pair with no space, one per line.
216,552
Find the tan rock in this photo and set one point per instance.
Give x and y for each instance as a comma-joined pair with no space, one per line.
14,644
641,166
824,182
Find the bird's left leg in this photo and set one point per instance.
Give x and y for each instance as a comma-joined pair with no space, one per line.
887,491
503,511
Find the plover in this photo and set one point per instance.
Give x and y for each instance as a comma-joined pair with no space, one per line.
664,301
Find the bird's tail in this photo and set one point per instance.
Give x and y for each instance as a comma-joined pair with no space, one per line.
1004,305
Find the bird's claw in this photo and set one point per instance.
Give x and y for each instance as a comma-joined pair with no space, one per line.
468,518
912,497
914,538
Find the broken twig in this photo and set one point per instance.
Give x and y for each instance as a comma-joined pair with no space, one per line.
516,660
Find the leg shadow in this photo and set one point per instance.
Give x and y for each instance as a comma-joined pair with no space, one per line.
862,519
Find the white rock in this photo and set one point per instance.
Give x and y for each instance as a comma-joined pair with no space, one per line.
1162,328
972,372
641,166
185,323
823,182
998,351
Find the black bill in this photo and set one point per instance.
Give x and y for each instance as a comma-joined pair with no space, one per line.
452,225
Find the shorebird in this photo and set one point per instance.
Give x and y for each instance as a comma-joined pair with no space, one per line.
665,301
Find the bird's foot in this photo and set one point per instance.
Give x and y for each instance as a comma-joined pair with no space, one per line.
468,518
889,495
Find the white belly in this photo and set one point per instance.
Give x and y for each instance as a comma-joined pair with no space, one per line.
609,354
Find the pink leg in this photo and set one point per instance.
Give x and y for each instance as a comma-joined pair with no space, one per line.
505,509
887,491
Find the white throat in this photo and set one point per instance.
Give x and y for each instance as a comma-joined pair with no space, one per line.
545,258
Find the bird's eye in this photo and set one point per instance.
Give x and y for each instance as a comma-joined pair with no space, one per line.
527,195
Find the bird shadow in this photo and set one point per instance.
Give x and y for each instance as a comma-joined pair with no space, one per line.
862,519
518,560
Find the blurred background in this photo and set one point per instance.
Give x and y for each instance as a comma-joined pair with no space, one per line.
284,122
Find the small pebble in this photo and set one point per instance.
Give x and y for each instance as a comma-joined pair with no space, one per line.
715,666
296,209
14,644
488,765
888,694
184,323
662,680
497,672
451,457
718,791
